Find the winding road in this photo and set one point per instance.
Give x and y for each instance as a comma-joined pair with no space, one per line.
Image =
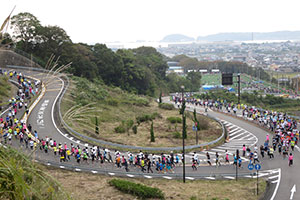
282,178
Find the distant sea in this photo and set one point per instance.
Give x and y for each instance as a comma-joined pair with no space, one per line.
131,45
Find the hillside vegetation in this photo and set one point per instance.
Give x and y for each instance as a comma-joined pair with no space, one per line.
120,114
20,178
6,90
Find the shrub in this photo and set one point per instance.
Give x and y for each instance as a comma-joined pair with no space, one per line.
139,190
156,115
146,117
120,129
166,106
152,138
177,135
174,120
112,102
143,118
134,129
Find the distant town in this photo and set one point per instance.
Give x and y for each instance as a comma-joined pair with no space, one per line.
276,56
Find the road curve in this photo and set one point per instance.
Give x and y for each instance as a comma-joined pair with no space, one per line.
42,120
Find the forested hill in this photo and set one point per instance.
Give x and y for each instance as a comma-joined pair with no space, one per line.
140,71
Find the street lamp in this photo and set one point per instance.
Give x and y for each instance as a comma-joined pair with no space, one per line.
183,153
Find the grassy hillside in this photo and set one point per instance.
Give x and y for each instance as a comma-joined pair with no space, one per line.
120,114
6,90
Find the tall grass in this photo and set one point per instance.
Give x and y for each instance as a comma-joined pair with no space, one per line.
20,178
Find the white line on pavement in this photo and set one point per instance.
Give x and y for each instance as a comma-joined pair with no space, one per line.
190,178
229,177
277,186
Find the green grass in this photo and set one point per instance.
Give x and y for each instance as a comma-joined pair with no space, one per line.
20,178
5,90
118,112
215,79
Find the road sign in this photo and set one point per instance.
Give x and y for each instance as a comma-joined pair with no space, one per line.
250,166
257,166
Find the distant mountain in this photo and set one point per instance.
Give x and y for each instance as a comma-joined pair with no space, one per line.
279,35
177,38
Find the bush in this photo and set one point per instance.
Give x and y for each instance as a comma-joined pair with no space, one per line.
174,120
156,115
112,102
134,129
166,106
177,135
146,117
120,129
139,190
143,118
152,138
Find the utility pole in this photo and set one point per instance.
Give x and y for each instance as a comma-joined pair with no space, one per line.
237,162
183,150
239,88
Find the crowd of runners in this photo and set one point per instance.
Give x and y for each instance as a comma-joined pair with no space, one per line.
11,128
284,127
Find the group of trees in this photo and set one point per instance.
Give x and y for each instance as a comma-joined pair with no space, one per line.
141,70
223,66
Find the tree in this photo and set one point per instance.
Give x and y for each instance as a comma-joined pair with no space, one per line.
195,80
97,127
26,30
152,138
197,124
160,96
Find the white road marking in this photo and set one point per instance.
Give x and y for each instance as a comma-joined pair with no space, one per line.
211,178
130,175
110,173
190,178
94,172
272,177
293,190
229,177
167,177
147,176
277,186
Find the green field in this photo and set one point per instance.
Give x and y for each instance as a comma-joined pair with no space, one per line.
215,79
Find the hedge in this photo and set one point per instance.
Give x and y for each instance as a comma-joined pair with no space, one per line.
139,190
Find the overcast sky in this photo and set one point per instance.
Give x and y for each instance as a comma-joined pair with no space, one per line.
92,21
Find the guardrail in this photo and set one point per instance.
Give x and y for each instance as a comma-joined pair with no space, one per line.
67,128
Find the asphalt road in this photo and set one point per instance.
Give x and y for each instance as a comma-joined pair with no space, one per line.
281,176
